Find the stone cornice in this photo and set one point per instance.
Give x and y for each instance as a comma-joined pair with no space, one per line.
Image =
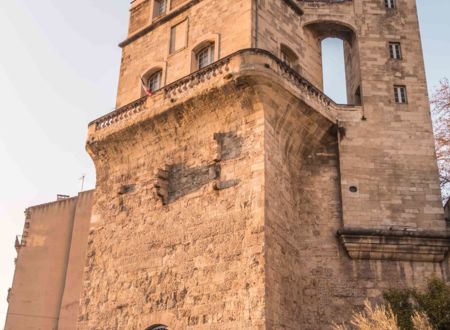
294,6
180,10
381,244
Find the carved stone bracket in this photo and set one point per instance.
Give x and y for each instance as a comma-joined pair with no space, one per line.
380,244
221,185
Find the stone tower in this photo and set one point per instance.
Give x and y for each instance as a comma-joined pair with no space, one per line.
233,194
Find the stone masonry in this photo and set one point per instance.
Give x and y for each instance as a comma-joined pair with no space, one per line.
252,200
239,196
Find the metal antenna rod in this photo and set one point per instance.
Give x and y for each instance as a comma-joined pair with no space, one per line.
82,181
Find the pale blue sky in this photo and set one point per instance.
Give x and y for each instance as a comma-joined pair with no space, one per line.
59,65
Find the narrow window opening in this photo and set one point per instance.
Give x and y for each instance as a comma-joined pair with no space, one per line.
395,50
205,56
400,94
333,64
160,8
390,4
289,57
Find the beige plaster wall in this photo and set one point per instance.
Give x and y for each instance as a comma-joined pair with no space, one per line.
41,276
41,267
68,315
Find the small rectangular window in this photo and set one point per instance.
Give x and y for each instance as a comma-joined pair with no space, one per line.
159,8
389,3
400,94
395,50
178,36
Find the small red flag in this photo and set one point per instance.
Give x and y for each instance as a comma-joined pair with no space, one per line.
147,90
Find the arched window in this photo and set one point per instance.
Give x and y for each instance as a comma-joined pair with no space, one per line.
289,57
157,327
205,56
152,81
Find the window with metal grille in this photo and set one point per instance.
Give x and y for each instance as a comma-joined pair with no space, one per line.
154,81
389,3
205,56
400,94
395,50
160,7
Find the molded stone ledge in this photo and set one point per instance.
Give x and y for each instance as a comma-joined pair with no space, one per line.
380,244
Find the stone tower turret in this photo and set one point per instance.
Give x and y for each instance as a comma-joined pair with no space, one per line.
232,193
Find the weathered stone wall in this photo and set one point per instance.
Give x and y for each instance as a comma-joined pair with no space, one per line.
208,20
389,157
260,250
310,279
176,3
140,16
219,199
193,257
294,135
47,265
277,23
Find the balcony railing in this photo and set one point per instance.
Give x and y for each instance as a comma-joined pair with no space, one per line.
223,68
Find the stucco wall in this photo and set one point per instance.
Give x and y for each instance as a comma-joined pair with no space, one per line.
41,268
68,315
